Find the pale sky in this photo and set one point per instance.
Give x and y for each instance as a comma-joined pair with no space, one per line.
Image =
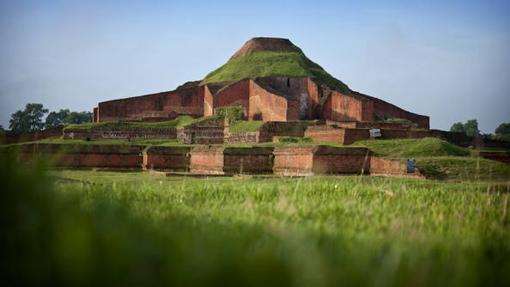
446,59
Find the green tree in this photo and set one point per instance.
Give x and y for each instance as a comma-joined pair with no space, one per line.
503,129
471,128
56,119
79,117
458,128
2,131
29,119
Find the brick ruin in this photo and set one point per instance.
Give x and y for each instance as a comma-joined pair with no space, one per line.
268,98
217,160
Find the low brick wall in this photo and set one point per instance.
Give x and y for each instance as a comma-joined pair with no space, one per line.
9,138
167,158
84,156
390,167
292,129
253,160
336,135
169,133
206,132
241,137
221,160
303,161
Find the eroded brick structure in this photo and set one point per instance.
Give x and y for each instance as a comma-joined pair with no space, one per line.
275,98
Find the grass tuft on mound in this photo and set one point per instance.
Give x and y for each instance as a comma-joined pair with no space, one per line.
269,64
398,148
245,126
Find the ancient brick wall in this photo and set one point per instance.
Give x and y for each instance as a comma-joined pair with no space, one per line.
207,160
340,160
390,167
165,105
9,138
384,109
167,133
325,134
292,129
236,94
266,106
309,160
340,107
293,161
85,156
503,157
95,117
167,158
208,102
241,137
211,131
253,160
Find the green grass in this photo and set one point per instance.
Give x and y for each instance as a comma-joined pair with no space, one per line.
106,228
397,121
400,148
245,126
463,168
268,64
178,122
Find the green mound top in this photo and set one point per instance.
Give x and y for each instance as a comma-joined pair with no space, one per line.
271,57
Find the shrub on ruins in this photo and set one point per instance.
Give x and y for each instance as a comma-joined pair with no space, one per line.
29,119
230,113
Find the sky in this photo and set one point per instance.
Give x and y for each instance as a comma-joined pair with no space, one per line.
449,60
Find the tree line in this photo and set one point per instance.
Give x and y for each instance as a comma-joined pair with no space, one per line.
32,119
470,128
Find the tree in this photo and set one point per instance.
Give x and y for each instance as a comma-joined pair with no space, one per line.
56,119
458,128
2,131
471,128
64,117
29,119
503,129
79,117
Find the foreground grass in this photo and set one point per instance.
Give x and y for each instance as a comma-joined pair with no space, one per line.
84,228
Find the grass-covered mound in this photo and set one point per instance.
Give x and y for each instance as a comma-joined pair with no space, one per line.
270,63
463,168
178,122
398,148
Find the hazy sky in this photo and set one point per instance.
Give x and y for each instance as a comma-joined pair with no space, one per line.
446,59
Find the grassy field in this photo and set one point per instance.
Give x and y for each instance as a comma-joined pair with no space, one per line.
85,227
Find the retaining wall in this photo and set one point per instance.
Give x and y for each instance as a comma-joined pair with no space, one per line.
168,133
302,161
167,158
221,160
84,156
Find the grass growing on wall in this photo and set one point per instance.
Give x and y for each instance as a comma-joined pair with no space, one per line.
178,122
118,229
245,126
267,64
413,147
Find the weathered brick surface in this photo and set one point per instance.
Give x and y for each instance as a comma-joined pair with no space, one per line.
28,137
254,160
302,161
210,131
236,94
390,167
167,158
336,135
340,107
85,156
293,129
266,106
221,160
503,157
207,160
121,133
241,137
